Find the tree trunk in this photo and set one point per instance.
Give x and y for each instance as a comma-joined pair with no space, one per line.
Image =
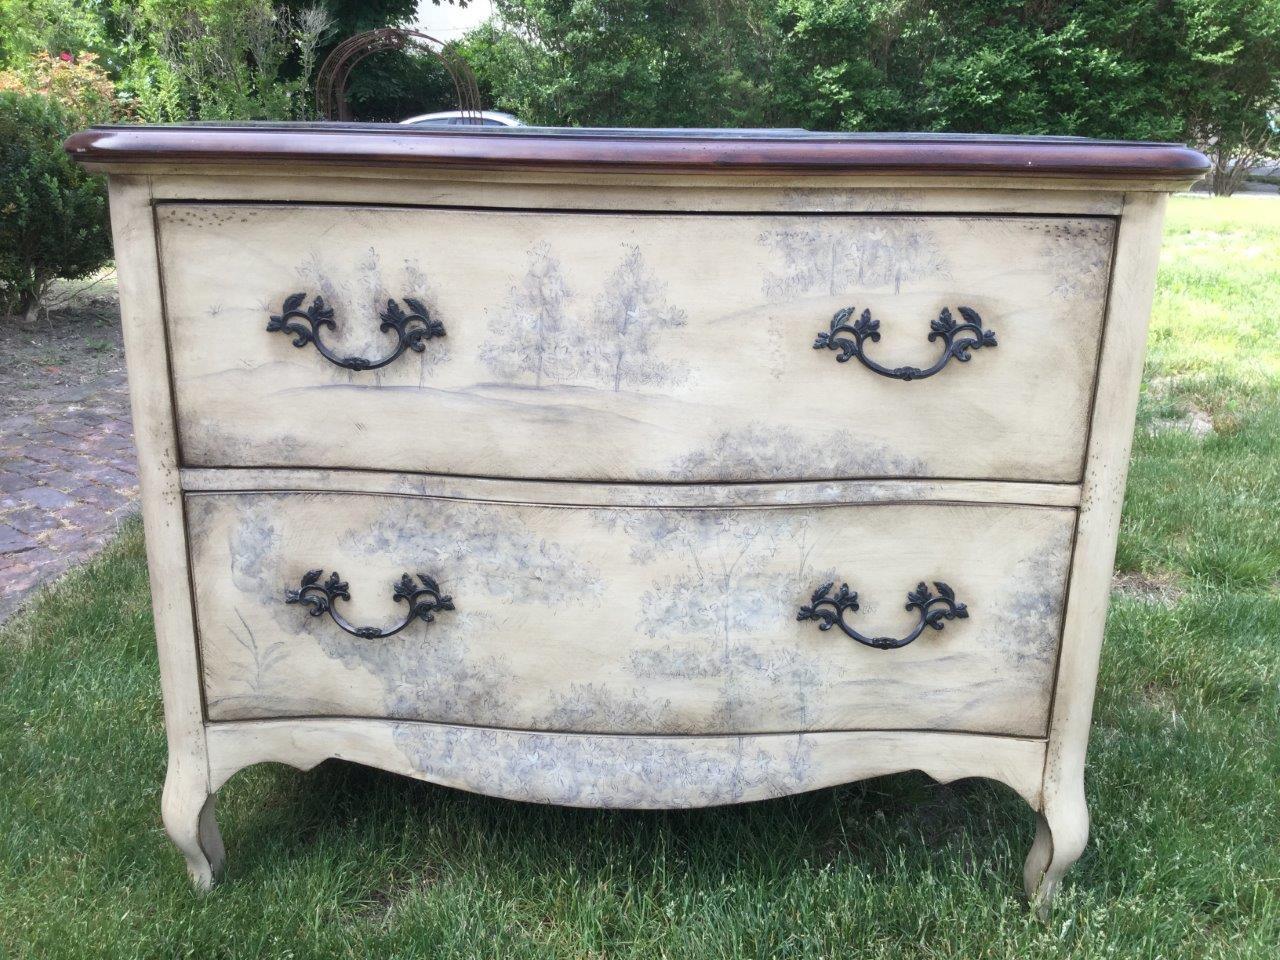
1226,176
30,297
29,304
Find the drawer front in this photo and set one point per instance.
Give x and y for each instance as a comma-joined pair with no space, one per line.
629,346
629,620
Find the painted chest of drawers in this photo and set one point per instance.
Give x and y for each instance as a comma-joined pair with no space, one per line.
632,469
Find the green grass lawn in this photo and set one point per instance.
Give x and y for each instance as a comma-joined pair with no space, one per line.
1184,775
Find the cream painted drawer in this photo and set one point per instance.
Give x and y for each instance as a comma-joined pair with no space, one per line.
633,346
630,620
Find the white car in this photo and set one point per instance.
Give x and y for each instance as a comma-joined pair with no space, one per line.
459,118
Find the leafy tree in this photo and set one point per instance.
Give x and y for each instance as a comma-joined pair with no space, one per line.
1231,93
1200,70
627,316
30,27
852,64
628,62
78,84
220,59
1089,67
531,334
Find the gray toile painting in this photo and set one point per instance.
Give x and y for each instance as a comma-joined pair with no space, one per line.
683,619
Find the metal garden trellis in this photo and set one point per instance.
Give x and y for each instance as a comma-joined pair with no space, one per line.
331,80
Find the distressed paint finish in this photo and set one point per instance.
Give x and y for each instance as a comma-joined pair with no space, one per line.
636,495
629,620
494,189
633,772
626,346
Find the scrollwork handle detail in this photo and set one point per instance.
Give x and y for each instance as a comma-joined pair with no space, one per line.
411,329
945,328
423,596
829,610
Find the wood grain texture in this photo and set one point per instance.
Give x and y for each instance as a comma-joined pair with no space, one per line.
743,152
631,772
642,620
817,493
634,347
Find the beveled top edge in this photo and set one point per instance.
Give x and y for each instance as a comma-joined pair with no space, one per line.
637,150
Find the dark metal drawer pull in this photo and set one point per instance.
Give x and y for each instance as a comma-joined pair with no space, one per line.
829,611
423,601
944,328
411,328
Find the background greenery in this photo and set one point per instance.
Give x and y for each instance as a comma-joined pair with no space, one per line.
1204,71
1184,860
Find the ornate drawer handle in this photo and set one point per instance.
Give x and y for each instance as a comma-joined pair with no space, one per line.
423,601
411,328
830,610
944,328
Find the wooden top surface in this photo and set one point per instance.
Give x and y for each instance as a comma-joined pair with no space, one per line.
637,150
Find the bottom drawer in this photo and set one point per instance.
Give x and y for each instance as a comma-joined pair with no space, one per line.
629,620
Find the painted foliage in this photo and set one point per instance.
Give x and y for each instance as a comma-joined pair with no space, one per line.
532,337
758,451
545,334
429,670
713,601
827,258
609,771
358,297
626,320
435,671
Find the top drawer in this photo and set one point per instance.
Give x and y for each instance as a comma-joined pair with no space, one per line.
634,346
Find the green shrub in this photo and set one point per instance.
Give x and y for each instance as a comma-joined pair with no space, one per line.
78,84
220,59
53,216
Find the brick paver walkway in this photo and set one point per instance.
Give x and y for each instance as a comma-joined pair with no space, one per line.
68,476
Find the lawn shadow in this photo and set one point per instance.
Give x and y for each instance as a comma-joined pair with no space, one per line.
407,833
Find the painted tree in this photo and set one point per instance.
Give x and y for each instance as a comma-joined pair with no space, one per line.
470,548
531,331
358,291
625,319
776,453
826,261
716,613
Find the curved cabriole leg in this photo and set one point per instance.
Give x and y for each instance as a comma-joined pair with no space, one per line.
187,808
1062,830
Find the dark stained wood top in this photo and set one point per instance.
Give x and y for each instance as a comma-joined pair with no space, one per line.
610,150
